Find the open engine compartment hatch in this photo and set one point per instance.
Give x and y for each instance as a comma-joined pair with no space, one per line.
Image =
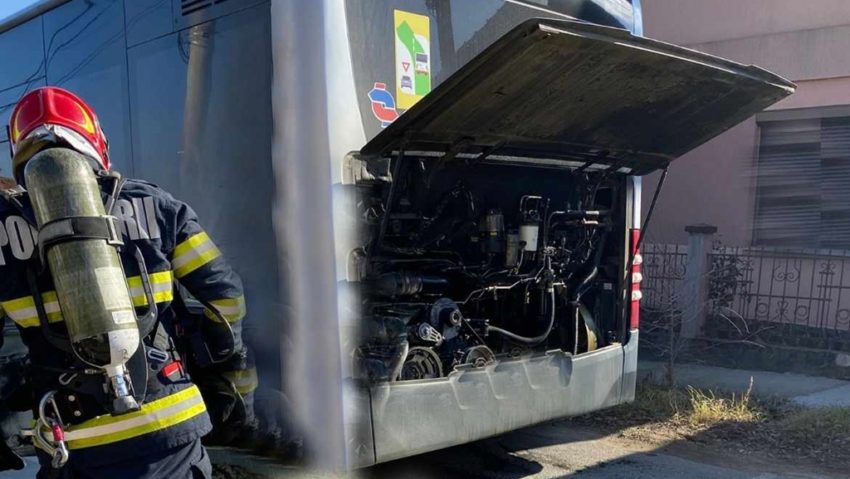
569,91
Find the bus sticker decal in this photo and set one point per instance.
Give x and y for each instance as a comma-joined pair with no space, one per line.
383,104
412,57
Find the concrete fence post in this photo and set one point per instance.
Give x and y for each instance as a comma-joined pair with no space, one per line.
694,293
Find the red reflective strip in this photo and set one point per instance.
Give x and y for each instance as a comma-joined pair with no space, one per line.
634,310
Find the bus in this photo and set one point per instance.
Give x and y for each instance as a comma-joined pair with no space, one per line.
434,205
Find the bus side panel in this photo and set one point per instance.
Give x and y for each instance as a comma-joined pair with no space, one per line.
90,59
458,30
357,411
417,417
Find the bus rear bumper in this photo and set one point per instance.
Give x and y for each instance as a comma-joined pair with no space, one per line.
420,416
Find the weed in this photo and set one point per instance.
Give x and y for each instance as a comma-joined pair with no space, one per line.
707,408
735,421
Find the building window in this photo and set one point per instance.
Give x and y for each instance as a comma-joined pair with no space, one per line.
803,179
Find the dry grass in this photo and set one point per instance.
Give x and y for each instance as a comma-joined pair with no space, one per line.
689,408
707,408
739,422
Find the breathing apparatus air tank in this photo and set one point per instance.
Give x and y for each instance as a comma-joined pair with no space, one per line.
90,282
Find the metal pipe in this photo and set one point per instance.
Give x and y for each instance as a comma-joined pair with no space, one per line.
534,340
196,105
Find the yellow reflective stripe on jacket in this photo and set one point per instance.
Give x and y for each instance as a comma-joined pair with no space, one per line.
245,380
23,312
233,309
162,284
153,416
193,253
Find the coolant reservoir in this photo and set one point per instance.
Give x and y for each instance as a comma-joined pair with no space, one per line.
528,235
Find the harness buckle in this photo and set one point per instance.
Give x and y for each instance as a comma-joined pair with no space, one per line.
157,356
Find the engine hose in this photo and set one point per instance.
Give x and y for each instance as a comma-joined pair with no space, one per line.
583,287
576,321
532,341
585,283
576,304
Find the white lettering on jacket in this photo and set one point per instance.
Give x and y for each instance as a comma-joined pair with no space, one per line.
136,218
17,237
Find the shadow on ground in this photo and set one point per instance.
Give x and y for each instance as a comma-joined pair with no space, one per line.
567,449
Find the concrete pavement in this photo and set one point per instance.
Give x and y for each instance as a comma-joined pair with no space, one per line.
838,396
561,450
544,452
807,391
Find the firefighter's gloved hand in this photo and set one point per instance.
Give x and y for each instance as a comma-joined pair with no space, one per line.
231,411
228,390
9,460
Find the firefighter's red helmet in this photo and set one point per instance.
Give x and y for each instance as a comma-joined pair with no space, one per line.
49,115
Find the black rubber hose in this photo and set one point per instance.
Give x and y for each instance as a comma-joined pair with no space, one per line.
583,287
576,302
533,341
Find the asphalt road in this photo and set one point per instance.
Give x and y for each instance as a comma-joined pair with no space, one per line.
557,450
561,451
28,473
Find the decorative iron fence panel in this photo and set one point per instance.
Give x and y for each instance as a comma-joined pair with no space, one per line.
756,295
663,269
793,287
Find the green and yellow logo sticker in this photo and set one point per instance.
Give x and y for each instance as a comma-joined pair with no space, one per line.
412,57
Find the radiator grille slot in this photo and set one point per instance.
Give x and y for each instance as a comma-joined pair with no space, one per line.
187,13
189,7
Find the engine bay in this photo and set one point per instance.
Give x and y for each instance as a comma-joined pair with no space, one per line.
468,263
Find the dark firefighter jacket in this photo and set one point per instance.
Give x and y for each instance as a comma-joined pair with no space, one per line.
177,251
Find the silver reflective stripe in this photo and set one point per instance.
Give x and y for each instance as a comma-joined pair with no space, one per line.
155,288
121,426
192,254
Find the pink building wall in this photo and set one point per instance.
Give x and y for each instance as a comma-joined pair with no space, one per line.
805,41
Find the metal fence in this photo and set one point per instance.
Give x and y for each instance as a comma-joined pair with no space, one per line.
794,287
808,288
663,269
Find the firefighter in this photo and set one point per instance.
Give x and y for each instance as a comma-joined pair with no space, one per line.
163,250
